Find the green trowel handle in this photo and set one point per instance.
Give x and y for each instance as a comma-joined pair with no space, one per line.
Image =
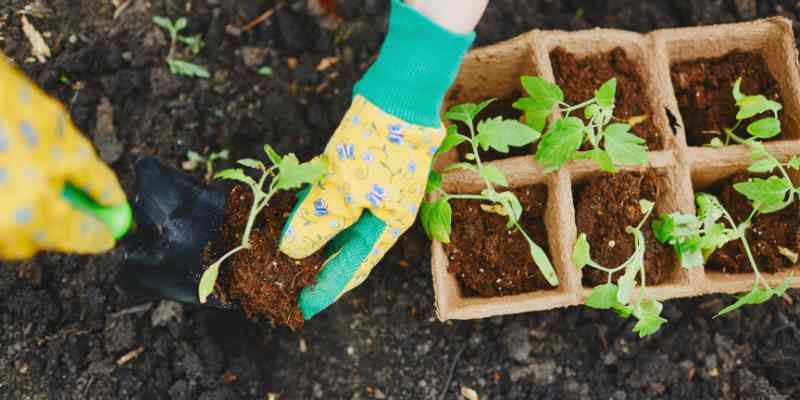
118,219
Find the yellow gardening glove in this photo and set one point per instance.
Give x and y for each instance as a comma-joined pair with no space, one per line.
40,153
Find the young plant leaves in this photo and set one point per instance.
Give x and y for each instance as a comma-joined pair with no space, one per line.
493,175
541,260
293,175
250,163
581,252
648,312
560,143
765,194
436,218
273,155
623,147
452,140
765,128
236,174
544,93
185,68
498,133
603,297
606,93
466,112
757,295
434,182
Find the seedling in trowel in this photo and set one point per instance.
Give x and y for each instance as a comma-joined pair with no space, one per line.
193,43
194,159
696,237
618,296
287,173
493,133
612,143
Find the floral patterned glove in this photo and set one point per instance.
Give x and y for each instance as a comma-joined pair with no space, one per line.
380,157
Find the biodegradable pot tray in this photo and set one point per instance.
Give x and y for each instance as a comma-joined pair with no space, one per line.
494,71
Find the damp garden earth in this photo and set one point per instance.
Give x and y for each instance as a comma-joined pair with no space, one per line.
70,333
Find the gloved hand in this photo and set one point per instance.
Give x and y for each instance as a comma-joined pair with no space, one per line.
380,157
41,152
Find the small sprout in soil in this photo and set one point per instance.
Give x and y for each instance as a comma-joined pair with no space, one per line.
696,237
194,159
193,43
750,106
265,71
287,173
495,133
612,143
618,296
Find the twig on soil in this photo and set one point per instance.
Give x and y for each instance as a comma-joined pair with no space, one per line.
132,310
130,355
259,19
452,371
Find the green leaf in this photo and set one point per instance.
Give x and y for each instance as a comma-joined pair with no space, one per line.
709,209
581,254
560,143
293,175
765,128
757,295
623,147
163,22
265,71
236,174
273,155
185,68
220,155
762,166
646,206
590,111
542,262
510,203
436,218
498,133
460,165
535,114
207,282
794,163
764,193
544,93
180,23
603,297
450,141
493,175
250,163
737,92
627,282
466,112
194,156
599,156
750,106
716,143
648,312
434,182
605,95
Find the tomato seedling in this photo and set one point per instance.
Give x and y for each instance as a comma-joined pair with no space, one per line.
193,43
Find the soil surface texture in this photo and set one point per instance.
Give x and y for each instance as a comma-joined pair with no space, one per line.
579,78
68,333
768,233
490,260
264,281
704,91
604,207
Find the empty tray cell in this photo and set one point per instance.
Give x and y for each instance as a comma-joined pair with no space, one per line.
493,72
606,204
704,63
580,75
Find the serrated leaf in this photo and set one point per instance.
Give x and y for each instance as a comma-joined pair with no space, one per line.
236,174
764,193
293,175
273,155
709,209
599,156
450,141
466,112
762,166
460,165
646,206
493,175
648,322
434,182
498,133
765,128
560,143
436,218
250,163
535,114
207,282
581,252
544,93
603,297
750,106
757,295
606,94
794,163
623,147
542,262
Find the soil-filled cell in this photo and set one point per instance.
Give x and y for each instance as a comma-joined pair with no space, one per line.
264,281
604,206
579,78
490,260
704,92
772,237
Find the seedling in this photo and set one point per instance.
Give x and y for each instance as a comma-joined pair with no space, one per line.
495,133
194,44
750,106
612,142
696,237
287,173
265,71
194,159
618,296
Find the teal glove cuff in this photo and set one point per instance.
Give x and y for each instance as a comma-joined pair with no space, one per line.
416,65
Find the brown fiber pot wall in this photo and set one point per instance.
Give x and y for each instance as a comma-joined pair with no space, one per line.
494,71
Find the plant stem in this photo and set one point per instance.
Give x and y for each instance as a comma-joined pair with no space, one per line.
746,244
569,108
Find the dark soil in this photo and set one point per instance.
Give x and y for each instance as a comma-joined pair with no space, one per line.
498,108
604,207
490,260
579,78
264,281
65,325
768,232
703,88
